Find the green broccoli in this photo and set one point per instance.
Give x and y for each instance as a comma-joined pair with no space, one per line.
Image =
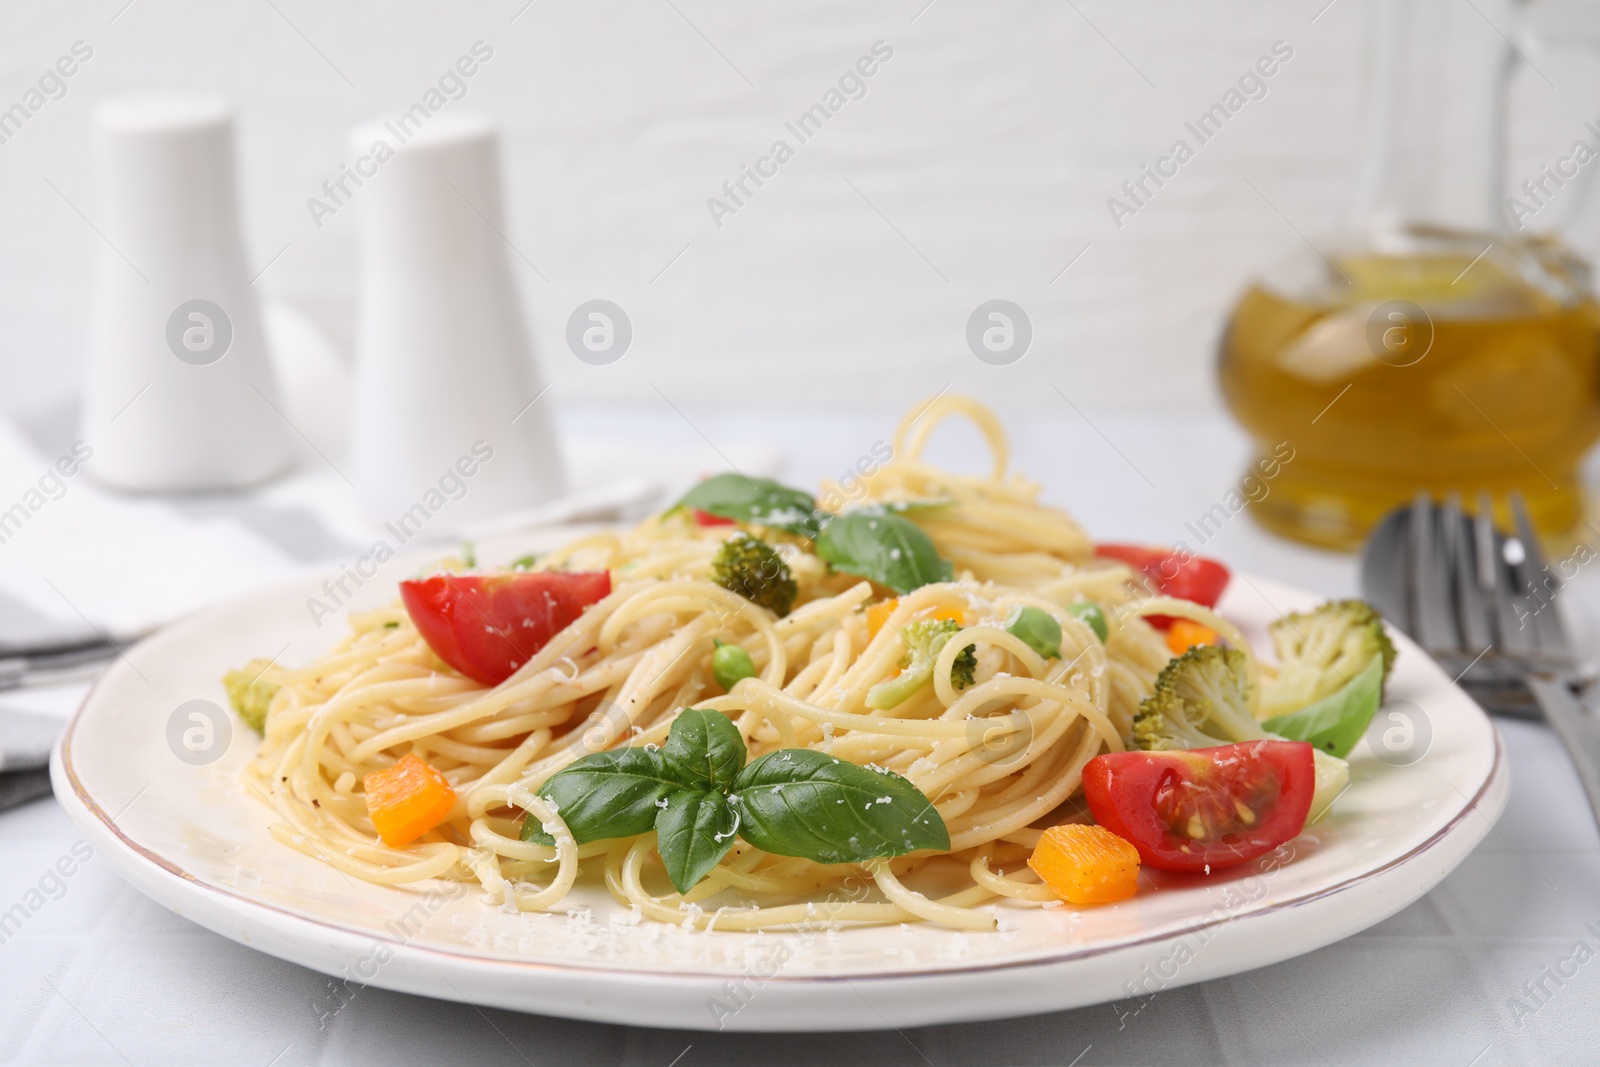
1202,699
249,694
752,568
925,639
1322,651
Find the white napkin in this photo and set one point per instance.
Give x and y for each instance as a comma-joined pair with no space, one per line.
79,556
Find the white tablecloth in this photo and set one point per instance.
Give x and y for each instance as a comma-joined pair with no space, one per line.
1500,964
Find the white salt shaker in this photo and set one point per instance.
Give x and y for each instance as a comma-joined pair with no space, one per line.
451,427
180,392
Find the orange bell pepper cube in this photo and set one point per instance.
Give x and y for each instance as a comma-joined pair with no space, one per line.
407,800
1186,633
879,613
1086,864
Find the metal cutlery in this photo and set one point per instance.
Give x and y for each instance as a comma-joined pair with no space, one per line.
1484,604
53,664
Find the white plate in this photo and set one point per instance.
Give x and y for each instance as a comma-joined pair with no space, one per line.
191,838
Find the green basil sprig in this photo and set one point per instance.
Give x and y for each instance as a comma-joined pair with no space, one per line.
891,550
693,832
760,501
873,541
616,793
697,794
704,750
801,802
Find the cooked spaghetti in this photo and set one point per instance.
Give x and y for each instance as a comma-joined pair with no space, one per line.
999,759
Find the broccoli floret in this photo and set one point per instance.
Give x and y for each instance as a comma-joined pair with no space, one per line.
752,568
250,694
1321,651
931,634
925,639
1202,699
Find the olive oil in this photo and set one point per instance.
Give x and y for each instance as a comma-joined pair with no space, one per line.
1445,362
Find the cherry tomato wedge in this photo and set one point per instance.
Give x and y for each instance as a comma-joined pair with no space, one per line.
487,626
1205,807
1174,572
705,518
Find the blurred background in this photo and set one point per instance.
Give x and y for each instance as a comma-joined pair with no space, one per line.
977,165
944,162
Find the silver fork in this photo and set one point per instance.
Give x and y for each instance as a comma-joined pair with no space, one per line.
1484,605
53,664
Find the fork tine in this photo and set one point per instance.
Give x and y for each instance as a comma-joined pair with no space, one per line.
1429,580
1541,587
1476,633
1483,542
1496,583
1383,568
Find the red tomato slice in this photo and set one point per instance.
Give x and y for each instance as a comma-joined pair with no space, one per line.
487,626
705,518
1216,807
1174,572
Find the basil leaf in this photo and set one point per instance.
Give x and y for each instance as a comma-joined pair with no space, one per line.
1336,722
704,749
693,832
755,500
608,794
800,802
533,831
890,550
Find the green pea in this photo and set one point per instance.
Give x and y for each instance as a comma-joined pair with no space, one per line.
730,664
1092,616
1037,629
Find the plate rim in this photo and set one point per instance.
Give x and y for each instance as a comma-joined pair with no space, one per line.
64,772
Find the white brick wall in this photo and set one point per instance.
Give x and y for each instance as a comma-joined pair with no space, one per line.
990,141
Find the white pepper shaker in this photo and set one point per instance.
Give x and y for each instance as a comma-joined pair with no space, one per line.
180,392
451,425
